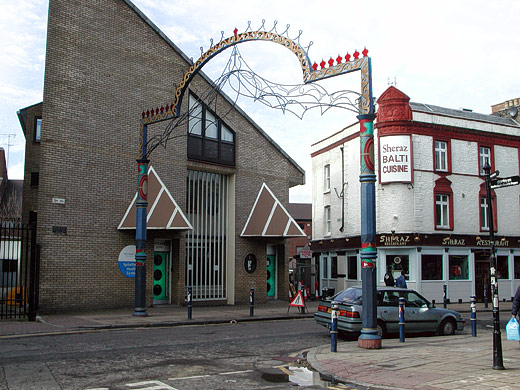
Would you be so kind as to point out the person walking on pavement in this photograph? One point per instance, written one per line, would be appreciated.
(401, 281)
(389, 278)
(516, 303)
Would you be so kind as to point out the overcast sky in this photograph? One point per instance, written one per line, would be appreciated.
(456, 54)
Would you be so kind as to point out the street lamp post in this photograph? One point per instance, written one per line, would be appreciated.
(497, 340)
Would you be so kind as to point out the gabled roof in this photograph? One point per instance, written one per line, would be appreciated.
(268, 218)
(229, 100)
(162, 213)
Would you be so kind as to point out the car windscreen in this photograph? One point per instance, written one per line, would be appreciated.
(350, 295)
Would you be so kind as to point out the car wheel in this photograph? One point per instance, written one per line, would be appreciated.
(447, 327)
(381, 329)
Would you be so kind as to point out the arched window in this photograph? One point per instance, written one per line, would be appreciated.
(483, 209)
(443, 201)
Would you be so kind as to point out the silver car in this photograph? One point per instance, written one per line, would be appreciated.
(420, 315)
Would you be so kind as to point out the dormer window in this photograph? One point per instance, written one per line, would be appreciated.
(209, 138)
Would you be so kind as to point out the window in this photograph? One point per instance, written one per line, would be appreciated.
(397, 264)
(327, 220)
(326, 178)
(38, 129)
(35, 179)
(352, 267)
(442, 211)
(431, 266)
(484, 210)
(502, 267)
(441, 156)
(517, 267)
(459, 267)
(484, 157)
(209, 139)
(334, 267)
(443, 204)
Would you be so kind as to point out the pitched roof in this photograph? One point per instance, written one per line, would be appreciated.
(268, 218)
(162, 212)
(300, 211)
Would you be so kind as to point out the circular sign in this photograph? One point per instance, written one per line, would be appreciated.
(126, 261)
(250, 263)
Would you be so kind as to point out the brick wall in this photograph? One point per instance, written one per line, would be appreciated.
(105, 65)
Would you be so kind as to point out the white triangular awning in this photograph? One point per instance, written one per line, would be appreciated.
(268, 218)
(162, 213)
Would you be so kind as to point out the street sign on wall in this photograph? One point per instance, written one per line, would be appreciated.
(504, 182)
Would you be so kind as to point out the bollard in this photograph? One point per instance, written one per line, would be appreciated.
(334, 327)
(190, 303)
(401, 320)
(445, 296)
(485, 296)
(251, 302)
(473, 300)
(302, 309)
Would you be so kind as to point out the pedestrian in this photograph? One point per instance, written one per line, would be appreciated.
(401, 280)
(516, 303)
(389, 278)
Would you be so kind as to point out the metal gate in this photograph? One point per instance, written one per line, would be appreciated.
(19, 271)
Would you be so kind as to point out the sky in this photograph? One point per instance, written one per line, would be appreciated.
(455, 54)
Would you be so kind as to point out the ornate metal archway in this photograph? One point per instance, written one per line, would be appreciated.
(311, 73)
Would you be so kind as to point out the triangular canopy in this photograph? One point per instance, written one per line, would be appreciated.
(162, 213)
(268, 218)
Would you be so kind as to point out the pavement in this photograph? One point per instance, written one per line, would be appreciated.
(423, 363)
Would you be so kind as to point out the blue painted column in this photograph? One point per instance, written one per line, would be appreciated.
(140, 229)
(369, 338)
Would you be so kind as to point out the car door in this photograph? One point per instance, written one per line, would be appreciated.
(418, 315)
(388, 310)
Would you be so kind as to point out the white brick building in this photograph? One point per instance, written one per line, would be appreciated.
(430, 199)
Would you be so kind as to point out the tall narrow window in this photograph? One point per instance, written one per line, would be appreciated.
(38, 129)
(327, 220)
(326, 178)
(442, 211)
(484, 225)
(484, 209)
(484, 157)
(443, 204)
(441, 156)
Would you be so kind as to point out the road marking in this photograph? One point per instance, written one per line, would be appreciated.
(235, 372)
(157, 385)
(188, 377)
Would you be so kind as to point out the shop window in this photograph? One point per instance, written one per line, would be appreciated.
(485, 156)
(442, 154)
(516, 266)
(459, 267)
(209, 139)
(443, 209)
(431, 266)
(398, 263)
(326, 178)
(352, 268)
(502, 267)
(327, 220)
(334, 267)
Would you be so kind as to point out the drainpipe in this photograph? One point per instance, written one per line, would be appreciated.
(342, 190)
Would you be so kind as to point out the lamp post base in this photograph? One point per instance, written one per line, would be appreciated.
(140, 312)
(369, 339)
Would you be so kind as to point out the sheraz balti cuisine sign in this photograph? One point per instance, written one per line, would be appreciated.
(395, 159)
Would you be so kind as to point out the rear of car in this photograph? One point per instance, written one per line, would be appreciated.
(349, 314)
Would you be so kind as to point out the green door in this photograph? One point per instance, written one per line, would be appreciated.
(271, 273)
(160, 276)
